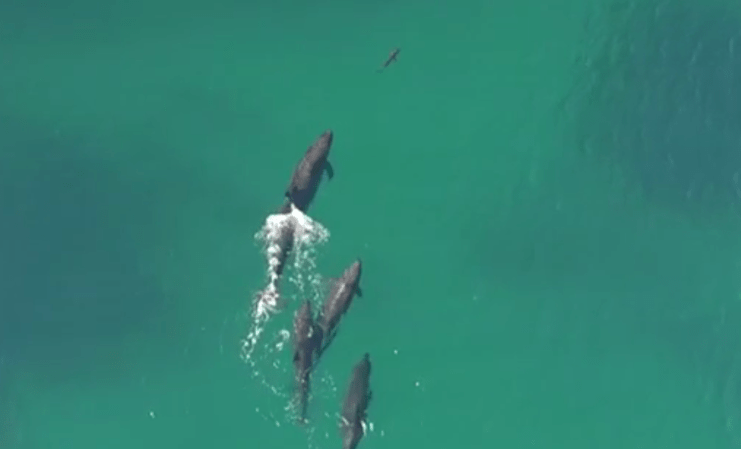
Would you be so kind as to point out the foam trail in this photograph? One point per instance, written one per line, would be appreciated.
(283, 236)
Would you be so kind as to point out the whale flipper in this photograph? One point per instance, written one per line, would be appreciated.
(358, 291)
(330, 171)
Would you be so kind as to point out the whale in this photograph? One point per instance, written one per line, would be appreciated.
(338, 301)
(306, 340)
(308, 173)
(355, 405)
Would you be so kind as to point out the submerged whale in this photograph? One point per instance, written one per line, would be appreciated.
(284, 246)
(279, 234)
(308, 174)
(306, 340)
(338, 302)
(356, 404)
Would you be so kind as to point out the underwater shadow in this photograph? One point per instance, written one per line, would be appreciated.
(73, 231)
(657, 99)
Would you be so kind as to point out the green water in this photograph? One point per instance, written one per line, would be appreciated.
(514, 295)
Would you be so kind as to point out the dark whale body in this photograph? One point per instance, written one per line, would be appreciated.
(285, 243)
(308, 174)
(338, 301)
(356, 404)
(302, 189)
(306, 340)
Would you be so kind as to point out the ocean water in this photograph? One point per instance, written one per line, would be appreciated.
(515, 293)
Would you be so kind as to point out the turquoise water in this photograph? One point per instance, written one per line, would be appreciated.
(515, 294)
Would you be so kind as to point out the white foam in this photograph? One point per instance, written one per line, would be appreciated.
(300, 269)
(307, 235)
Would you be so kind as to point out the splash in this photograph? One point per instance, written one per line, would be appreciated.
(290, 243)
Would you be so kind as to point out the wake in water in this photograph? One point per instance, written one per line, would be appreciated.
(292, 236)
